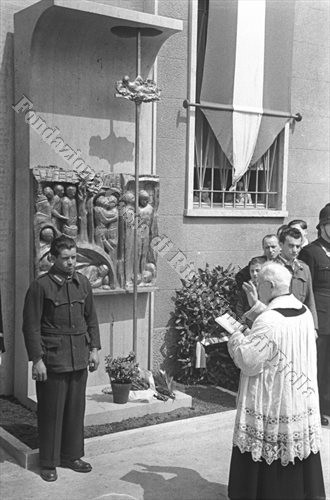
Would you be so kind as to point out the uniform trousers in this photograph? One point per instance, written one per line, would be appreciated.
(323, 371)
(61, 410)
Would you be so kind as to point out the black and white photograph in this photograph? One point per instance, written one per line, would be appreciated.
(165, 250)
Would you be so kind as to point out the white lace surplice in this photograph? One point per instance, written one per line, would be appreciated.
(278, 408)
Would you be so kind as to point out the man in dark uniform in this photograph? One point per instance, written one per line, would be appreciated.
(301, 283)
(62, 339)
(317, 256)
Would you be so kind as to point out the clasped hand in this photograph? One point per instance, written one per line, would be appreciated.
(94, 360)
(39, 371)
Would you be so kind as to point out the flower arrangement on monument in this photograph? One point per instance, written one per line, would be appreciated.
(122, 369)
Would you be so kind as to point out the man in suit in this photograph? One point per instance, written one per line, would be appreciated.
(62, 339)
(317, 256)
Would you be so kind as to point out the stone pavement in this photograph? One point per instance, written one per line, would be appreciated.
(182, 460)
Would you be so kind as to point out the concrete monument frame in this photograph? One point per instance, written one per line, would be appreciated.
(66, 63)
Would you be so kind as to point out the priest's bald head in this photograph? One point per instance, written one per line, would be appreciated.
(273, 280)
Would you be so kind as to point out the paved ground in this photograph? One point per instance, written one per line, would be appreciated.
(183, 460)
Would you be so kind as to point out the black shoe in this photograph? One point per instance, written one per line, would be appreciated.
(77, 465)
(48, 474)
(324, 420)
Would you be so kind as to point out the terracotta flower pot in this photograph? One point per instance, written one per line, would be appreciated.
(120, 392)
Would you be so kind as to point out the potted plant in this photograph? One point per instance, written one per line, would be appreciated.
(122, 370)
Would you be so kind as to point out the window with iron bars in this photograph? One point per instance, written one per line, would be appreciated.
(261, 191)
(258, 189)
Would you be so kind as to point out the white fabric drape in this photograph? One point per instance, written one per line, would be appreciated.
(248, 81)
(246, 66)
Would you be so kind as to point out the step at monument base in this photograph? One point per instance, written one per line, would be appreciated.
(100, 408)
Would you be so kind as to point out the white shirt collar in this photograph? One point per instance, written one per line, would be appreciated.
(285, 301)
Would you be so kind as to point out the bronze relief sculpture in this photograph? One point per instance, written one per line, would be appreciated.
(99, 215)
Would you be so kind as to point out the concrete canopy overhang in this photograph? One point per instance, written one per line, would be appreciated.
(47, 29)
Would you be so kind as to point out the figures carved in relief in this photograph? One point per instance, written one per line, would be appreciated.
(46, 236)
(127, 225)
(145, 229)
(69, 211)
(57, 217)
(99, 215)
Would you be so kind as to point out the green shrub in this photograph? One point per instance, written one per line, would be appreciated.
(208, 294)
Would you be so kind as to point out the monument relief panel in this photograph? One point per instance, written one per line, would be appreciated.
(98, 213)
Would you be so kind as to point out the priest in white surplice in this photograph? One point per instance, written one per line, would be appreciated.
(277, 435)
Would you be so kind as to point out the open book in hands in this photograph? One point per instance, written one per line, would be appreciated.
(231, 325)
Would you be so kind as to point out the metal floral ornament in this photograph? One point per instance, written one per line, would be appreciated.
(138, 90)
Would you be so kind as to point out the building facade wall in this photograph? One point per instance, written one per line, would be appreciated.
(203, 240)
(224, 241)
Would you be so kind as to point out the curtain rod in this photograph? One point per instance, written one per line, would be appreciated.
(229, 107)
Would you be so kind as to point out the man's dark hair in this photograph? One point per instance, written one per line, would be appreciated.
(290, 231)
(266, 238)
(280, 229)
(300, 222)
(257, 260)
(61, 243)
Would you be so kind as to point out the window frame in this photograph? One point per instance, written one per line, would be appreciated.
(190, 210)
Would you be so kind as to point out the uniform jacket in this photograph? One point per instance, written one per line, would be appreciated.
(59, 321)
(301, 284)
(315, 255)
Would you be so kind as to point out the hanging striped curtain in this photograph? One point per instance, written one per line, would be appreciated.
(247, 66)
